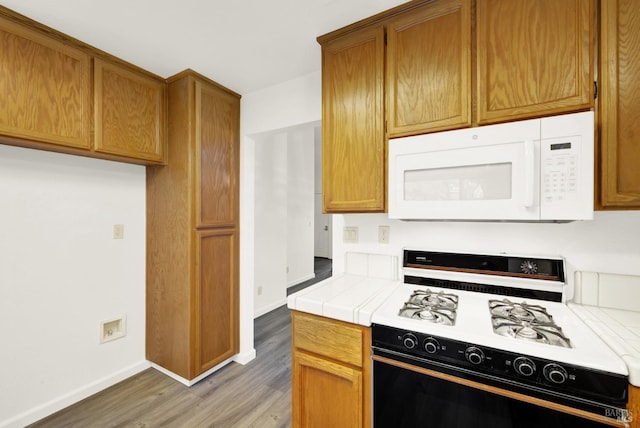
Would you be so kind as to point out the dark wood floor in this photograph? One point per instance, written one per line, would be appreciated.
(257, 394)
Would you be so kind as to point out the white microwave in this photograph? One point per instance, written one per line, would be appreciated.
(531, 170)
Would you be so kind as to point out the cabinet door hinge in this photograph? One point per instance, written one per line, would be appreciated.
(595, 90)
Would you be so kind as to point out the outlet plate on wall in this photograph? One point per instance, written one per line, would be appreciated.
(113, 329)
(383, 234)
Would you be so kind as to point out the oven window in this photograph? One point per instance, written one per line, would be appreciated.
(403, 399)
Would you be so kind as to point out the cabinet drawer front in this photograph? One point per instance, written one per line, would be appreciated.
(334, 339)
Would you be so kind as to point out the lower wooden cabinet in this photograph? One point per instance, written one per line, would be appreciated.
(634, 406)
(331, 373)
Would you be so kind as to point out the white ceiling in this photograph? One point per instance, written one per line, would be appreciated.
(242, 44)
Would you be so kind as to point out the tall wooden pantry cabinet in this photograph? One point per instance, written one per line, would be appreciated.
(192, 231)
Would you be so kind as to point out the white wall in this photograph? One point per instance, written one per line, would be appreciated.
(283, 224)
(270, 222)
(610, 243)
(289, 104)
(62, 273)
(322, 222)
(300, 204)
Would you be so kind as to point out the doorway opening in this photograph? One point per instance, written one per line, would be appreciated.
(290, 231)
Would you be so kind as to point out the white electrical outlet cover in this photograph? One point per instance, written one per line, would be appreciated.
(113, 329)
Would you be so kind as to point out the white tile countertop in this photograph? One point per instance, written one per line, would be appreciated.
(350, 298)
(610, 305)
(353, 296)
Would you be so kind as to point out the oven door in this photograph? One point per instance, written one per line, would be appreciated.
(411, 396)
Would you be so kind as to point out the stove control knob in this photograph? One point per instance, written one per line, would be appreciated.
(474, 355)
(555, 373)
(524, 366)
(431, 345)
(409, 340)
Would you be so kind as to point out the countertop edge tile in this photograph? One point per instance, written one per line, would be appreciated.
(603, 328)
(343, 297)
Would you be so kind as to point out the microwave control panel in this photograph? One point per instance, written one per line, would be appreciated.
(566, 178)
(560, 170)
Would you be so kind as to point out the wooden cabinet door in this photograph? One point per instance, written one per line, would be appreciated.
(216, 297)
(619, 104)
(46, 88)
(353, 141)
(130, 113)
(535, 58)
(429, 69)
(633, 406)
(217, 146)
(325, 393)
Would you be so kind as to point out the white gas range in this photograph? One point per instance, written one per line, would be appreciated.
(501, 321)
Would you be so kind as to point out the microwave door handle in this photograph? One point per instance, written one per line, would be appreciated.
(529, 170)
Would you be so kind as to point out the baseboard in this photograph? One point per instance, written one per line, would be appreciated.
(245, 357)
(190, 382)
(301, 280)
(269, 308)
(72, 397)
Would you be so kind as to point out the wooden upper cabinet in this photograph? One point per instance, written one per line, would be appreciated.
(353, 141)
(429, 69)
(619, 105)
(534, 58)
(45, 88)
(217, 137)
(130, 113)
(60, 94)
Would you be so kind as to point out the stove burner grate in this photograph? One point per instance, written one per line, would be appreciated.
(436, 307)
(526, 322)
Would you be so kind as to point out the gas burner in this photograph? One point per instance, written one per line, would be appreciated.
(431, 298)
(519, 312)
(439, 308)
(526, 322)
